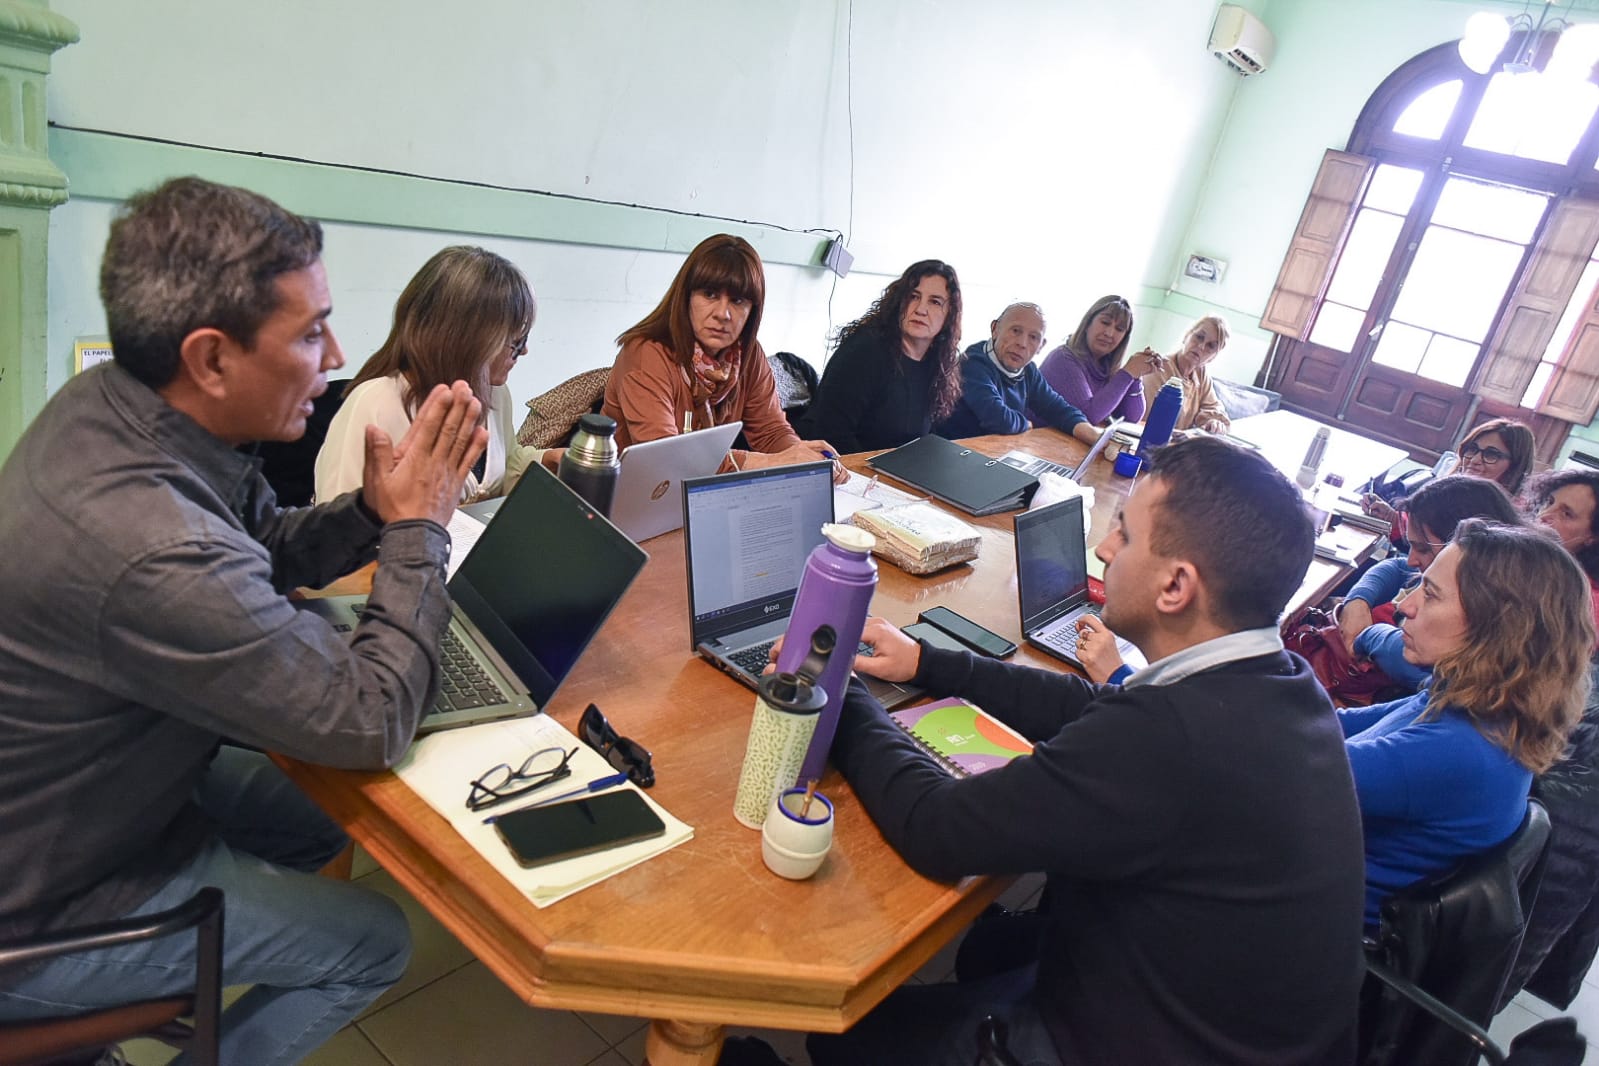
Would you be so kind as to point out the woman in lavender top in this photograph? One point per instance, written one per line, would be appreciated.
(1088, 369)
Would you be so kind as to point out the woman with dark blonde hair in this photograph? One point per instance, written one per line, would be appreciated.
(1088, 370)
(896, 370)
(694, 362)
(1503, 618)
(465, 316)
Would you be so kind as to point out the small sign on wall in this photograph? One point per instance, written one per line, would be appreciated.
(90, 351)
(1205, 268)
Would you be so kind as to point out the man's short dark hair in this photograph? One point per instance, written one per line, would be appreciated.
(191, 254)
(1239, 521)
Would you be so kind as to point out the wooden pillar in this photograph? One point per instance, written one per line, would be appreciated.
(30, 185)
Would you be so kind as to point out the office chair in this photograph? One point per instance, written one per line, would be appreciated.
(1454, 936)
(1552, 1042)
(41, 1040)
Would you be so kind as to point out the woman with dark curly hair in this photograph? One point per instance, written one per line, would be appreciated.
(1503, 617)
(896, 369)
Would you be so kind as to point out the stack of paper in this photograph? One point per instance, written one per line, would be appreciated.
(865, 493)
(919, 538)
(441, 768)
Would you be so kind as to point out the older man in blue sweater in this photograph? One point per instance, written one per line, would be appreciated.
(1002, 391)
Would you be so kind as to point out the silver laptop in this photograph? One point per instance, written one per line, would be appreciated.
(1052, 580)
(1035, 466)
(648, 501)
(746, 536)
(527, 600)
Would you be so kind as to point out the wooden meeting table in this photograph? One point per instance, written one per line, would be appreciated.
(704, 936)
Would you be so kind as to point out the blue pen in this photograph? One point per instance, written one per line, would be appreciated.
(827, 453)
(595, 785)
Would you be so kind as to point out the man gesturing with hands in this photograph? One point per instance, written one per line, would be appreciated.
(149, 652)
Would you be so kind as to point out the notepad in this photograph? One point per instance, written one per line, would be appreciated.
(439, 768)
(964, 738)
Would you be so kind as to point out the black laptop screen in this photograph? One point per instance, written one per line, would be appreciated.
(747, 537)
(542, 578)
(1051, 560)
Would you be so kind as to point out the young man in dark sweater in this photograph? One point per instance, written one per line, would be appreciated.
(1198, 824)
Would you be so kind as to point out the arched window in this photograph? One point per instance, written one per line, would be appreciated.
(1443, 270)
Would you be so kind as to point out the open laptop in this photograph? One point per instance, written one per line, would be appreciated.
(1035, 466)
(647, 501)
(746, 536)
(1052, 580)
(536, 587)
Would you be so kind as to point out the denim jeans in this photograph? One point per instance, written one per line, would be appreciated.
(936, 1025)
(317, 951)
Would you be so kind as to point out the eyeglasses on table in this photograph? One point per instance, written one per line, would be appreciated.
(500, 783)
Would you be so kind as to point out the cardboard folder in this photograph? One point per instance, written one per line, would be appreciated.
(970, 480)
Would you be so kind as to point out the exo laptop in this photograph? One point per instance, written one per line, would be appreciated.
(531, 594)
(1052, 580)
(746, 536)
(647, 501)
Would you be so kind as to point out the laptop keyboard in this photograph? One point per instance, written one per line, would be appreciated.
(1064, 638)
(465, 684)
(753, 660)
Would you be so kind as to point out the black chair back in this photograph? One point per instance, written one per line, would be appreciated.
(290, 466)
(1455, 936)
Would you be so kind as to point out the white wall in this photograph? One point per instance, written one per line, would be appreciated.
(1049, 151)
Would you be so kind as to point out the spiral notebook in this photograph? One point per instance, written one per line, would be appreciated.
(963, 737)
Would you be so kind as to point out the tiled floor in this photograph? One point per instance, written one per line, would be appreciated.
(450, 1009)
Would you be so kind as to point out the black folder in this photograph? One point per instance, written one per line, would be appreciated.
(956, 474)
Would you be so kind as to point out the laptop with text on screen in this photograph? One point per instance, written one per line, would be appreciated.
(1052, 580)
(534, 590)
(746, 536)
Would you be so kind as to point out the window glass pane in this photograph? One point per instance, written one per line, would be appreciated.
(1456, 282)
(1401, 347)
(1449, 360)
(1337, 326)
(1392, 188)
(1492, 210)
(1535, 387)
(1365, 254)
(1532, 116)
(1428, 114)
(1576, 310)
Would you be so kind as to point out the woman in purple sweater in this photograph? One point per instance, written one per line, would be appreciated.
(1087, 370)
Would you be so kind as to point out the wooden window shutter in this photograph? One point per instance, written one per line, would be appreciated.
(1319, 237)
(1573, 392)
(1536, 304)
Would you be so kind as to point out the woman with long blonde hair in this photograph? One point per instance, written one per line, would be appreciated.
(1503, 618)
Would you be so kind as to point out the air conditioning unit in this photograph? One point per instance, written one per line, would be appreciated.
(1241, 40)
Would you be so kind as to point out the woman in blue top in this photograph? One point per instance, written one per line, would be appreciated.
(1502, 617)
(1434, 512)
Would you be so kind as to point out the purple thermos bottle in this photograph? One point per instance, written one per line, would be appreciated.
(834, 594)
(1162, 417)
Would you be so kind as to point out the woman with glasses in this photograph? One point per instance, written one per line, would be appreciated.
(694, 362)
(1436, 511)
(1201, 407)
(1502, 621)
(465, 316)
(1088, 370)
(896, 372)
(1500, 450)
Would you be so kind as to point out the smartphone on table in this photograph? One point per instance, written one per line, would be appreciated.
(539, 835)
(934, 636)
(973, 636)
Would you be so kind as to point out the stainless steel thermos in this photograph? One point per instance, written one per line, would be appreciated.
(591, 463)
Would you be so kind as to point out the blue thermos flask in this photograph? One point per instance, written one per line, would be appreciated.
(1157, 428)
(830, 608)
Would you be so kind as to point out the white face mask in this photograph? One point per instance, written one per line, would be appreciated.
(993, 357)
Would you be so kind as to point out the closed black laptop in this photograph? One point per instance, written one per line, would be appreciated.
(958, 475)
